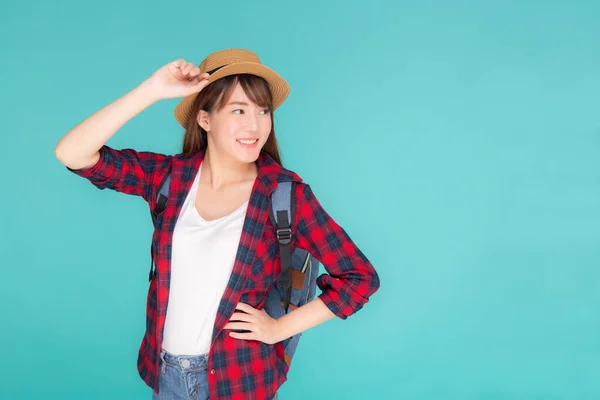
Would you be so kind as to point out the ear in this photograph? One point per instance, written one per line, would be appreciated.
(203, 120)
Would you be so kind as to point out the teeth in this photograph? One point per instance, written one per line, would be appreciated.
(247, 141)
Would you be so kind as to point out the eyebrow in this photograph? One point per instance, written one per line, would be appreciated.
(238, 102)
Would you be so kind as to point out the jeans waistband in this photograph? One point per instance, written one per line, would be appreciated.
(185, 361)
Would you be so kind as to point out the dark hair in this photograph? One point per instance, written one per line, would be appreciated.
(214, 97)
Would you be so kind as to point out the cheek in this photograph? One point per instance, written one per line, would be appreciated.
(266, 126)
(228, 132)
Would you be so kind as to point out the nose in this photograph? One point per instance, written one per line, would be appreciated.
(252, 122)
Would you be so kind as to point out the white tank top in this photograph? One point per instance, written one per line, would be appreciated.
(203, 253)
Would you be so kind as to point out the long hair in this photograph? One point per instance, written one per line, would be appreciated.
(214, 97)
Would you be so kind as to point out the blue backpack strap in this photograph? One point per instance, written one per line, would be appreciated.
(161, 197)
(161, 204)
(282, 213)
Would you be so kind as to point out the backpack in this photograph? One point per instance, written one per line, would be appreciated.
(296, 285)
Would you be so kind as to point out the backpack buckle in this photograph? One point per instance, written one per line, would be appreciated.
(284, 235)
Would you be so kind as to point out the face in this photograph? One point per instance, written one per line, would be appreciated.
(239, 130)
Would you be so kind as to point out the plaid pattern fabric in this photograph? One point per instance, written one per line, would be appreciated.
(238, 369)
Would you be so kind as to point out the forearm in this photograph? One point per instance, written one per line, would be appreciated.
(81, 143)
(303, 318)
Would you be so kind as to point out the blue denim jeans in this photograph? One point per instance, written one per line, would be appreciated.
(183, 377)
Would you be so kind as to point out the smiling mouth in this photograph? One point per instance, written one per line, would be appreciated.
(247, 142)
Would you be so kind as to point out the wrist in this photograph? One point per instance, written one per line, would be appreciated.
(148, 91)
(280, 330)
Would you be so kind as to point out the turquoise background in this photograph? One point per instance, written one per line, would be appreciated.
(456, 142)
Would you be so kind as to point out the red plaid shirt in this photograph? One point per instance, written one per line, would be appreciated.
(238, 369)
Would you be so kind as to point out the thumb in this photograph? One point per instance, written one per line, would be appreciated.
(192, 88)
(200, 85)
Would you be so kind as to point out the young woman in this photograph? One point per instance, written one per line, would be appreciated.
(213, 243)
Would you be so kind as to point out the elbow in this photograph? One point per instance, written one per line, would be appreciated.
(375, 283)
(62, 155)
(369, 286)
(76, 164)
(61, 151)
(345, 297)
(58, 153)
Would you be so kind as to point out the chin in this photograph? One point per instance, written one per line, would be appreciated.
(248, 157)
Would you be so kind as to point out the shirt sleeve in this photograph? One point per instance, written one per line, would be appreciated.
(127, 171)
(351, 277)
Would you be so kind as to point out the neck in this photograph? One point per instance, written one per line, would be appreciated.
(220, 171)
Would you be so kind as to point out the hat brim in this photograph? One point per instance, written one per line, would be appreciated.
(278, 86)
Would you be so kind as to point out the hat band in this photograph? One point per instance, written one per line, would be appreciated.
(216, 69)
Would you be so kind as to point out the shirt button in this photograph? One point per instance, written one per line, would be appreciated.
(212, 371)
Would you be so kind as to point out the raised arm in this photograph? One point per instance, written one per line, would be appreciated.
(83, 149)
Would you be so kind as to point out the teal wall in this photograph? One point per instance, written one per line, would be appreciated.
(456, 142)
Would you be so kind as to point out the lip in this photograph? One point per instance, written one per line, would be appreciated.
(248, 146)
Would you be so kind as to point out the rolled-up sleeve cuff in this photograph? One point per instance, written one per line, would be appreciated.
(336, 305)
(100, 174)
(344, 299)
(93, 170)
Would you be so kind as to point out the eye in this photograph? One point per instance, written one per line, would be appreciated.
(264, 112)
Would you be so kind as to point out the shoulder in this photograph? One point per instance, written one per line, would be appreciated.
(272, 174)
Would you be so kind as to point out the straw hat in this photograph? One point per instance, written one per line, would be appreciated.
(229, 62)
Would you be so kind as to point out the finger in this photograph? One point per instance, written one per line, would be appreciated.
(179, 63)
(196, 87)
(240, 316)
(187, 68)
(246, 307)
(239, 325)
(195, 73)
(243, 336)
(202, 84)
